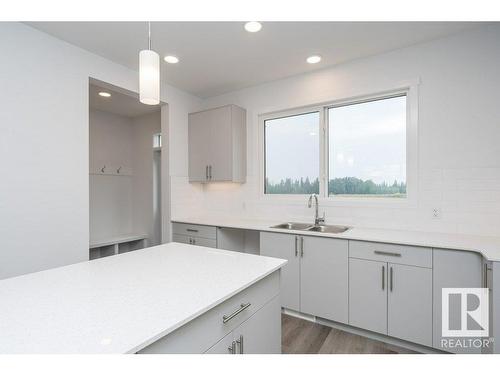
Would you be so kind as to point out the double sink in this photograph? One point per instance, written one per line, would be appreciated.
(312, 228)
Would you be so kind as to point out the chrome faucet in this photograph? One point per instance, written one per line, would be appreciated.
(317, 220)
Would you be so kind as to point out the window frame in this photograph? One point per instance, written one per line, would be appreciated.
(409, 89)
(262, 126)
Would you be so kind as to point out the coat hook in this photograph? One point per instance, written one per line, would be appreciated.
(118, 170)
(102, 169)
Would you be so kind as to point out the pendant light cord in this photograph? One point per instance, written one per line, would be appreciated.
(149, 35)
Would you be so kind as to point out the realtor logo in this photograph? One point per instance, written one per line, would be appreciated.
(465, 312)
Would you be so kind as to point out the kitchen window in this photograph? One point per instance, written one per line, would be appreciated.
(367, 148)
(354, 149)
(292, 154)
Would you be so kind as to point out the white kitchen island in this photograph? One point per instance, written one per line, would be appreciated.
(172, 298)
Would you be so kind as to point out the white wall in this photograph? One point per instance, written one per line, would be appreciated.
(458, 140)
(44, 160)
(112, 144)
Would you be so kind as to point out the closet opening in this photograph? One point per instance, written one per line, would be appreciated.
(125, 171)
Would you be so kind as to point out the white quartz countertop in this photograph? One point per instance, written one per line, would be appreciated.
(122, 303)
(489, 247)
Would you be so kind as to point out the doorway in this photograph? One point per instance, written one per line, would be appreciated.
(125, 163)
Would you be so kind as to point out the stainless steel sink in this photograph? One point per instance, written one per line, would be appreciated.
(328, 229)
(293, 226)
(312, 228)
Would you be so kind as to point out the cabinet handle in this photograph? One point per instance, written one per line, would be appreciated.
(383, 277)
(485, 275)
(240, 343)
(194, 241)
(210, 171)
(296, 246)
(206, 172)
(232, 348)
(390, 286)
(302, 247)
(387, 253)
(190, 240)
(227, 318)
(192, 230)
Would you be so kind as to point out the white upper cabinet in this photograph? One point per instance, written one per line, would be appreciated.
(217, 145)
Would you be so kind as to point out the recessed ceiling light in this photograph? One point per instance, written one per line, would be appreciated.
(253, 26)
(104, 94)
(314, 59)
(171, 59)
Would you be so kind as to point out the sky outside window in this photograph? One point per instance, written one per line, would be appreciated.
(292, 154)
(367, 148)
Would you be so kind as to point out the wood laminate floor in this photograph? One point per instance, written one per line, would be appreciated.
(304, 337)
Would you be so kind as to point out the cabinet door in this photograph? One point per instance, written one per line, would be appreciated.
(324, 278)
(224, 346)
(368, 295)
(199, 133)
(180, 238)
(284, 246)
(207, 242)
(261, 333)
(220, 144)
(409, 312)
(453, 269)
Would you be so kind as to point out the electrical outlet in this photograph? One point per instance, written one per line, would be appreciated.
(436, 213)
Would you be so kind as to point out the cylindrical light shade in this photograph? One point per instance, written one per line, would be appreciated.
(149, 77)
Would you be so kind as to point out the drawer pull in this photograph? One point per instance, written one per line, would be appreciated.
(387, 253)
(192, 230)
(392, 277)
(227, 318)
(383, 277)
(232, 348)
(240, 343)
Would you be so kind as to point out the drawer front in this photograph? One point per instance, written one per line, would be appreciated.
(181, 238)
(203, 332)
(192, 240)
(397, 254)
(193, 230)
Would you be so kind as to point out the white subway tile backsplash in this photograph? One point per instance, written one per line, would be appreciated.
(468, 199)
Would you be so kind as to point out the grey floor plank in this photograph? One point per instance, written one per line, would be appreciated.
(300, 336)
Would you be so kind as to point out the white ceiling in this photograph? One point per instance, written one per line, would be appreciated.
(218, 57)
(123, 104)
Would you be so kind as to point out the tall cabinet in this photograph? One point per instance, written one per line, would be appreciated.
(217, 145)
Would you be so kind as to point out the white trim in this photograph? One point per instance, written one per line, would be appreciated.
(410, 89)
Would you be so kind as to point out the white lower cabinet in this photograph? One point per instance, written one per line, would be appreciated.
(226, 345)
(390, 298)
(260, 334)
(324, 278)
(201, 235)
(200, 241)
(315, 279)
(285, 246)
(368, 295)
(253, 314)
(454, 269)
(409, 303)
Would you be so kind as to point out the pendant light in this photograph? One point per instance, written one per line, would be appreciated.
(149, 74)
